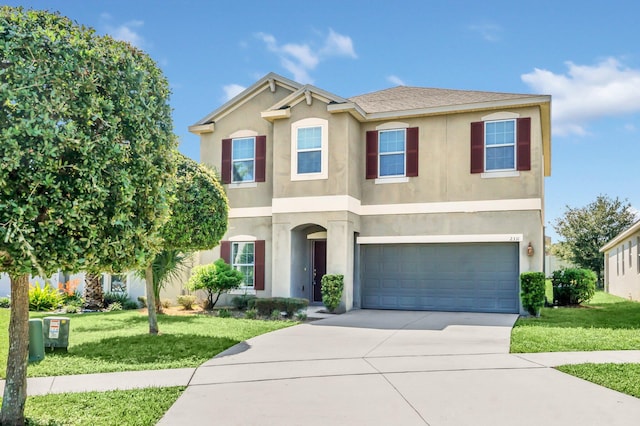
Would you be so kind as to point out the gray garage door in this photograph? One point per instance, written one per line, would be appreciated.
(478, 277)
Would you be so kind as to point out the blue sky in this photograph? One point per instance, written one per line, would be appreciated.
(585, 54)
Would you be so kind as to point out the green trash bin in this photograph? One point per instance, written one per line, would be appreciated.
(56, 332)
(36, 341)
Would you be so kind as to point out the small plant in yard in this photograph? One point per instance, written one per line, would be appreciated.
(130, 305)
(166, 303)
(251, 313)
(301, 316)
(186, 301)
(224, 313)
(143, 301)
(44, 298)
(332, 286)
(5, 302)
(111, 297)
(216, 278)
(573, 286)
(241, 302)
(115, 306)
(267, 305)
(275, 315)
(71, 309)
(532, 285)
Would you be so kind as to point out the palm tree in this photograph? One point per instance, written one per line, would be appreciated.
(93, 294)
(167, 266)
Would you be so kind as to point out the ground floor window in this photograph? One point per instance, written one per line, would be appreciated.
(118, 284)
(243, 260)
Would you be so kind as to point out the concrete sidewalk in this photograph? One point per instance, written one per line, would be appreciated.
(380, 368)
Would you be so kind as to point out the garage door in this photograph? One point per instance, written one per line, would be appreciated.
(478, 277)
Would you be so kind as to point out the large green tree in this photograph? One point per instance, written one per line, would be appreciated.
(586, 229)
(87, 162)
(198, 220)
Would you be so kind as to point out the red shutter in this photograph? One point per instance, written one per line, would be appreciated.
(412, 152)
(372, 154)
(477, 147)
(225, 251)
(261, 158)
(259, 265)
(226, 161)
(524, 144)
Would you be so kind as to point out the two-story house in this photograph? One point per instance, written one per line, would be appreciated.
(424, 199)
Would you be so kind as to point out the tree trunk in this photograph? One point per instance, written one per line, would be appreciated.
(93, 294)
(15, 388)
(151, 300)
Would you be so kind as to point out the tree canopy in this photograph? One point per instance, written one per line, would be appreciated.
(586, 229)
(87, 162)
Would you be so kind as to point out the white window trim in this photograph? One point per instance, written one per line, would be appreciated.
(391, 179)
(233, 264)
(403, 152)
(500, 174)
(324, 149)
(241, 182)
(515, 147)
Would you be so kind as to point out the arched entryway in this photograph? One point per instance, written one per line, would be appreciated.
(308, 261)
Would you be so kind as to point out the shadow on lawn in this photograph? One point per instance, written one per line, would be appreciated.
(148, 349)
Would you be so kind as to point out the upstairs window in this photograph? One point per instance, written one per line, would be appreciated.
(310, 149)
(392, 153)
(501, 145)
(243, 160)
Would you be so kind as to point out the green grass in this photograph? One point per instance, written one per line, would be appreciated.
(113, 408)
(623, 378)
(120, 341)
(606, 323)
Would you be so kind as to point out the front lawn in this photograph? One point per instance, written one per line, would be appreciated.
(624, 378)
(139, 407)
(606, 323)
(120, 341)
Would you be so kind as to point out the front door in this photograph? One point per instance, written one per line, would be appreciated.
(319, 267)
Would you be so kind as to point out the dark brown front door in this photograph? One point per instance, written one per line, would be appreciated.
(319, 267)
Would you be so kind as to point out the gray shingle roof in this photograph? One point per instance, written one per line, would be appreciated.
(403, 98)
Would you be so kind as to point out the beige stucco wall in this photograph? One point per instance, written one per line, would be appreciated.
(622, 270)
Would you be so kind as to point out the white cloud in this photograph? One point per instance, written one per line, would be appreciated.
(587, 92)
(302, 58)
(393, 79)
(630, 127)
(489, 32)
(232, 90)
(127, 32)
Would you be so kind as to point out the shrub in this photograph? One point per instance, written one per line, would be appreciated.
(187, 301)
(224, 313)
(573, 286)
(130, 305)
(290, 305)
(5, 302)
(251, 313)
(275, 315)
(332, 285)
(215, 278)
(242, 302)
(143, 301)
(302, 316)
(115, 306)
(74, 299)
(532, 285)
(111, 297)
(44, 298)
(71, 309)
(166, 303)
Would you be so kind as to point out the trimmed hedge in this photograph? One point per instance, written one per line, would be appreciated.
(332, 286)
(532, 286)
(290, 305)
(573, 286)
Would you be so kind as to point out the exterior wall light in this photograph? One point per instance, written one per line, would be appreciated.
(530, 250)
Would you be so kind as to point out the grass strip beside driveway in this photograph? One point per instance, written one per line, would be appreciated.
(120, 341)
(623, 378)
(606, 323)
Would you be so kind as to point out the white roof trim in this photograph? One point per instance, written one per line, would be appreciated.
(621, 236)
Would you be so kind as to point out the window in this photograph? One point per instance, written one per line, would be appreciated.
(622, 256)
(309, 149)
(501, 145)
(118, 284)
(392, 153)
(242, 259)
(243, 160)
(247, 255)
(391, 149)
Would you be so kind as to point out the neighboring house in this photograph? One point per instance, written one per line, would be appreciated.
(424, 199)
(622, 264)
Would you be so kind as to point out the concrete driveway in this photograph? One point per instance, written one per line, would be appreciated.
(369, 367)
